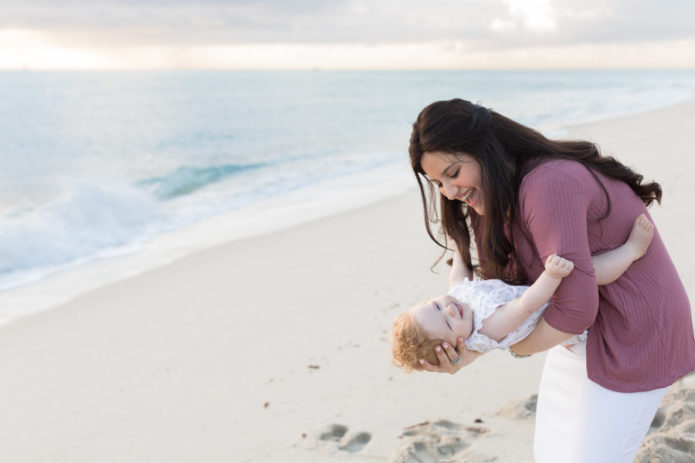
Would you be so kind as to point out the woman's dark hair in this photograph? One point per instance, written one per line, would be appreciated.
(506, 151)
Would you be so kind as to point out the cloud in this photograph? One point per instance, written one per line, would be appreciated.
(491, 23)
(150, 22)
(535, 15)
(621, 21)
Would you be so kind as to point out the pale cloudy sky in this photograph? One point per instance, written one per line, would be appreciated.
(346, 34)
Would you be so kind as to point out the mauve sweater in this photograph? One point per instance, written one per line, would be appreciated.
(640, 326)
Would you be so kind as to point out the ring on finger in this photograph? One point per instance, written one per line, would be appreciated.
(456, 360)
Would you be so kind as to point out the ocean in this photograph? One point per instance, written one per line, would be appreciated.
(142, 167)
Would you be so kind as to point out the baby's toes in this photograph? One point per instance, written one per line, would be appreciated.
(645, 224)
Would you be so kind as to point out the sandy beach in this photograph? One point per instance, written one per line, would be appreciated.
(276, 348)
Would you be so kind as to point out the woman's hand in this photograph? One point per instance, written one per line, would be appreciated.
(451, 244)
(446, 354)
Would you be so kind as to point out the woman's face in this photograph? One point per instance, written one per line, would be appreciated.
(458, 177)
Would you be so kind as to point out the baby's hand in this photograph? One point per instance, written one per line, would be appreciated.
(558, 267)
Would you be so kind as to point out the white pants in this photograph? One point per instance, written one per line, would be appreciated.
(578, 421)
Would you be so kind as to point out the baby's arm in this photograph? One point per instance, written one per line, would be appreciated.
(459, 271)
(611, 264)
(511, 315)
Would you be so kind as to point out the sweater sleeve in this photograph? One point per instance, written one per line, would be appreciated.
(555, 202)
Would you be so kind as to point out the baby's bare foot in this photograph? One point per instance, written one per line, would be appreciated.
(558, 267)
(640, 236)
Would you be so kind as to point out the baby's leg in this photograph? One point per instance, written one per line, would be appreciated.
(640, 236)
(611, 264)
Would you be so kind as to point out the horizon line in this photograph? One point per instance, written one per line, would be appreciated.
(319, 69)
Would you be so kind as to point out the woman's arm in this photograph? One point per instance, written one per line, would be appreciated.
(459, 271)
(543, 337)
(556, 201)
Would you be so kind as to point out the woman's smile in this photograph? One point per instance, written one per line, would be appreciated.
(470, 197)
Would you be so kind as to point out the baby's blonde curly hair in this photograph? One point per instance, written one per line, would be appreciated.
(410, 344)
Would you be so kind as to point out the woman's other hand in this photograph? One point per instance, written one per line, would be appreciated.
(446, 354)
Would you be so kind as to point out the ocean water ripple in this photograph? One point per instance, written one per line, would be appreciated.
(186, 180)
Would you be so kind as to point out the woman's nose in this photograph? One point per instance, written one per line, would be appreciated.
(448, 191)
(452, 310)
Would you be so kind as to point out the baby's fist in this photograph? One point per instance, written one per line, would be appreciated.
(558, 267)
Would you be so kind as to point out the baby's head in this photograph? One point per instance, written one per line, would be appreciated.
(421, 328)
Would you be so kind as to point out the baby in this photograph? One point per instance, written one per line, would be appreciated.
(490, 314)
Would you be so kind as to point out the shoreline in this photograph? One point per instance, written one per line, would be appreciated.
(260, 219)
(276, 347)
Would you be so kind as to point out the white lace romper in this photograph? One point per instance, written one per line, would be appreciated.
(484, 297)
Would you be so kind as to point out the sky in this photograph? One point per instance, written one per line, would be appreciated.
(346, 34)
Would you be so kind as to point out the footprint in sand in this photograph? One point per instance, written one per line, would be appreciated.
(335, 432)
(521, 410)
(671, 437)
(439, 441)
(338, 433)
(357, 442)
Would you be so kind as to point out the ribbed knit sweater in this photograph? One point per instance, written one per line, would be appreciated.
(640, 326)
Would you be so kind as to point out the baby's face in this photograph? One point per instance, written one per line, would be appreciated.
(444, 318)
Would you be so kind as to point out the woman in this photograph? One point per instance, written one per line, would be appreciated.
(525, 197)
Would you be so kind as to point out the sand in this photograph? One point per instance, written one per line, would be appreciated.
(276, 348)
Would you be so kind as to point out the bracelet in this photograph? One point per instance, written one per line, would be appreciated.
(517, 356)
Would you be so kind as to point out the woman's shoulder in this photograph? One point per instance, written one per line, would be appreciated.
(554, 174)
(560, 188)
(540, 168)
